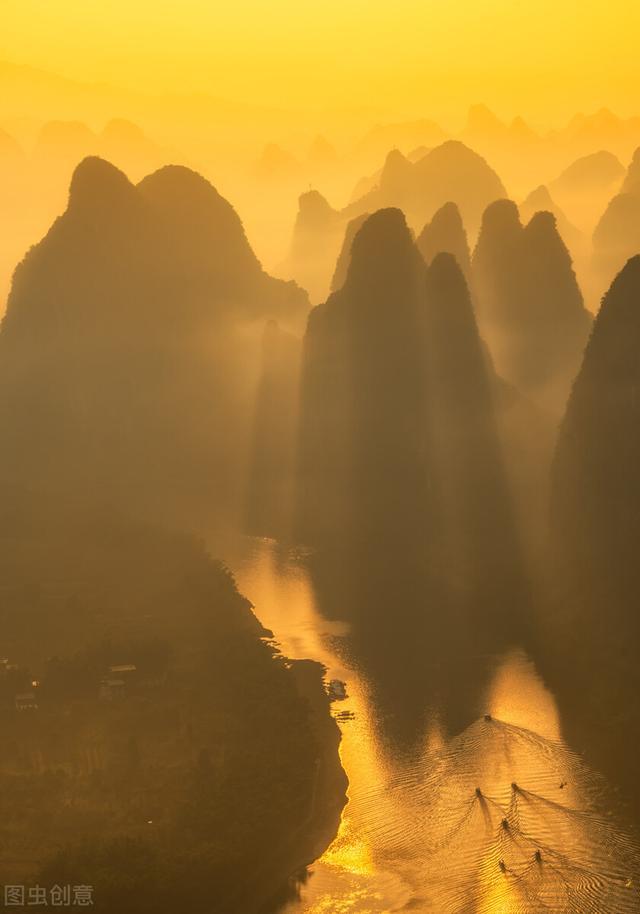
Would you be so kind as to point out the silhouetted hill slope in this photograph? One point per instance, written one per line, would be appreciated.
(529, 303)
(631, 183)
(344, 257)
(446, 234)
(398, 435)
(558, 321)
(495, 260)
(464, 458)
(122, 354)
(595, 525)
(596, 487)
(270, 492)
(359, 444)
(33, 188)
(208, 238)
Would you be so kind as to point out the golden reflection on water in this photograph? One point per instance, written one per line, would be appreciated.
(414, 834)
(349, 852)
(518, 696)
(345, 878)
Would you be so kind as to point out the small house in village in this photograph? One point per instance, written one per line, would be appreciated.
(26, 701)
(123, 670)
(112, 689)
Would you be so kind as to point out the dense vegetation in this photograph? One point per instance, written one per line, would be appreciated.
(192, 783)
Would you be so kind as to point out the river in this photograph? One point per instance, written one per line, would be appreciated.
(398, 809)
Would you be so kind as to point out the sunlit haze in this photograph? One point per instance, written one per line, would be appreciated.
(320, 456)
(545, 60)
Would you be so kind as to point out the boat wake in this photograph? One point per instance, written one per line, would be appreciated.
(502, 821)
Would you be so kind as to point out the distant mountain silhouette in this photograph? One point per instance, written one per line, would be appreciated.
(512, 147)
(10, 149)
(524, 156)
(583, 188)
(395, 177)
(64, 139)
(483, 125)
(317, 236)
(364, 185)
(481, 120)
(275, 163)
(602, 129)
(596, 491)
(122, 354)
(446, 234)
(450, 172)
(540, 200)
(588, 173)
(530, 306)
(631, 183)
(404, 136)
(15, 208)
(13, 184)
(418, 153)
(59, 147)
(617, 235)
(321, 152)
(127, 146)
(394, 162)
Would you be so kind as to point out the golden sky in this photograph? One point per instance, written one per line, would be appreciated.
(433, 57)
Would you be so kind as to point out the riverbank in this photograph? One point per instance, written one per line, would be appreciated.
(277, 880)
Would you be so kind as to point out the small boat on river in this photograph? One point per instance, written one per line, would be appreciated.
(337, 690)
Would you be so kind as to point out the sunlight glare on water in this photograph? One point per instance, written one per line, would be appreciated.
(497, 820)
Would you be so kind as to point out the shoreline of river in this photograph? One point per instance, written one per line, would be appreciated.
(329, 795)
(279, 879)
